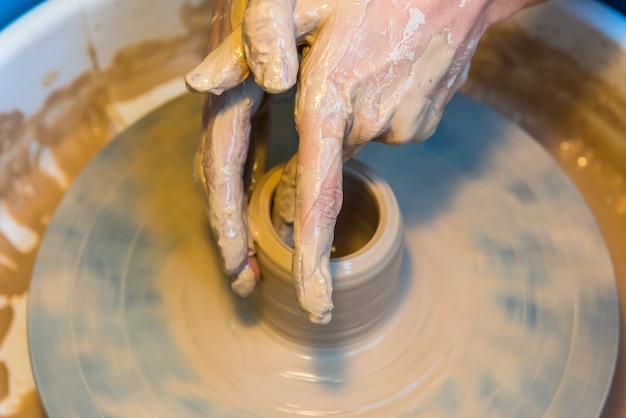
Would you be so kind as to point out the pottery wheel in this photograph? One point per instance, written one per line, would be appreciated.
(507, 305)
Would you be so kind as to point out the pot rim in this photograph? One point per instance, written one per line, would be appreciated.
(347, 271)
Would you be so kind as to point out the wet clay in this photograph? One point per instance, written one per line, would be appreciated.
(29, 407)
(574, 115)
(368, 249)
(41, 155)
(6, 315)
(354, 86)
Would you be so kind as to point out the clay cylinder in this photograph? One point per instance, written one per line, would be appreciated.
(365, 264)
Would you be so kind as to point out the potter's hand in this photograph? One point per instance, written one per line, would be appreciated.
(219, 167)
(221, 155)
(370, 70)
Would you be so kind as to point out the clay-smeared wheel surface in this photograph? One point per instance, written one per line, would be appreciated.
(507, 303)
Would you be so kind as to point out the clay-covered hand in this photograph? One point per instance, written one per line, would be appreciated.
(221, 156)
(368, 70)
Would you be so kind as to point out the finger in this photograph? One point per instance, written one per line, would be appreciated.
(309, 15)
(283, 211)
(221, 159)
(269, 43)
(321, 121)
(249, 275)
(224, 68)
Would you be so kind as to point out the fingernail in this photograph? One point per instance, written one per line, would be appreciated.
(246, 281)
(201, 82)
(196, 82)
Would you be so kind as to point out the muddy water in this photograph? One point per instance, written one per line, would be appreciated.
(578, 118)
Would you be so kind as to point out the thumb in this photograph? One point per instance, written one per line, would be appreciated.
(224, 68)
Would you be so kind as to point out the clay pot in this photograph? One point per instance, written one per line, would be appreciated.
(365, 264)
